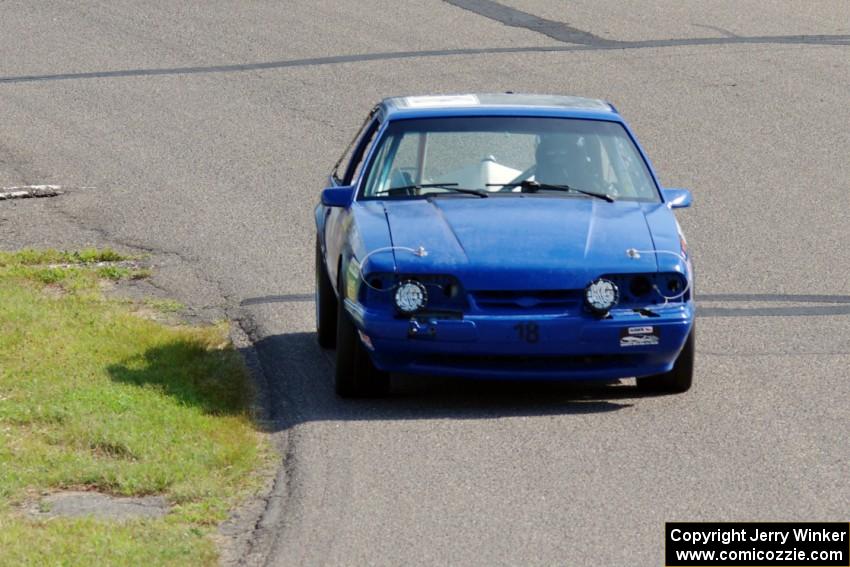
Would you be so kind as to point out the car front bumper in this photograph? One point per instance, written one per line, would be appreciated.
(563, 346)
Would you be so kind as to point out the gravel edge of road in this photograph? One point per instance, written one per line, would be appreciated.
(247, 537)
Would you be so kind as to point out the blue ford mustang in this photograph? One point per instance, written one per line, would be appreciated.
(502, 236)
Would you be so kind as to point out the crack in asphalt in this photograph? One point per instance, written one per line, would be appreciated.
(226, 306)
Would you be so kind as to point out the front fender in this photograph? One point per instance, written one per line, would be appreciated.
(366, 238)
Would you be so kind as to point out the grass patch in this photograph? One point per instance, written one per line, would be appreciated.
(164, 305)
(116, 273)
(77, 272)
(32, 257)
(94, 397)
(87, 542)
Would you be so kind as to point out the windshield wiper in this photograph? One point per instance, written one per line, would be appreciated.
(447, 186)
(535, 186)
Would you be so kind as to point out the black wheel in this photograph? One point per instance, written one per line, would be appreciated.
(326, 304)
(680, 378)
(356, 376)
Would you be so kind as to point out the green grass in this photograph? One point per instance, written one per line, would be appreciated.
(90, 542)
(30, 257)
(94, 397)
(73, 270)
(164, 305)
(118, 273)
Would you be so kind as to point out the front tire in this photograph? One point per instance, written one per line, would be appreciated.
(356, 375)
(326, 303)
(681, 376)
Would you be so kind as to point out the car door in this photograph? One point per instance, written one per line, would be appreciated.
(337, 219)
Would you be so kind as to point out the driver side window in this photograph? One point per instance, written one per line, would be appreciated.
(349, 165)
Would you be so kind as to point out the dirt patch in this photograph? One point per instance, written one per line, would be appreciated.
(54, 291)
(72, 504)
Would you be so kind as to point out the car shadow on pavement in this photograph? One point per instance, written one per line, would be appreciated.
(299, 383)
(300, 374)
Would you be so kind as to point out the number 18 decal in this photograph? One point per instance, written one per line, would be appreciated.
(528, 332)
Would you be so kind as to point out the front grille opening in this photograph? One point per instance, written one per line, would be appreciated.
(527, 300)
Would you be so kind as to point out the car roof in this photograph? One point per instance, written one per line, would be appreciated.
(498, 104)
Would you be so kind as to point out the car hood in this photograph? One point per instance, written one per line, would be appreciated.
(533, 242)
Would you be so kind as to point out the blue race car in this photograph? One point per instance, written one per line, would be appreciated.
(502, 236)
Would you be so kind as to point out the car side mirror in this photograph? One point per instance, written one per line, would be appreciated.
(677, 198)
(338, 196)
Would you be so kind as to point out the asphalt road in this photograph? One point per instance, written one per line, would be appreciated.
(203, 133)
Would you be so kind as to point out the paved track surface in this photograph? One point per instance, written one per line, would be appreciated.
(203, 132)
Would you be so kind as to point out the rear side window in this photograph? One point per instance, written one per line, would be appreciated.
(348, 167)
(353, 170)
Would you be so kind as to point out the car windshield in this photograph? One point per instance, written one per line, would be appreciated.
(497, 154)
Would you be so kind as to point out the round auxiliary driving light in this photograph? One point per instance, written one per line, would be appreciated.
(410, 296)
(601, 295)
